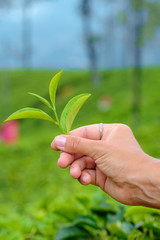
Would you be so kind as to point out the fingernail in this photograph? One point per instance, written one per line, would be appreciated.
(60, 141)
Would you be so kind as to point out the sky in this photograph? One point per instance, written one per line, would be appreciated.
(58, 40)
(57, 37)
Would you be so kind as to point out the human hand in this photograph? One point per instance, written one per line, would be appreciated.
(116, 163)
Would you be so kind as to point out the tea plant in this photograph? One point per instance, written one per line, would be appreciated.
(106, 219)
(68, 114)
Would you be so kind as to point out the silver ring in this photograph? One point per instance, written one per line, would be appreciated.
(101, 130)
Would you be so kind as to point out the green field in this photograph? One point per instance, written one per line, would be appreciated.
(32, 186)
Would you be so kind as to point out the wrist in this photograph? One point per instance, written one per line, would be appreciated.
(147, 183)
(153, 183)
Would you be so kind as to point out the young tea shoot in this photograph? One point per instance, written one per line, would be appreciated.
(68, 114)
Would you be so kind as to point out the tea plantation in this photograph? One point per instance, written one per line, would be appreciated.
(40, 201)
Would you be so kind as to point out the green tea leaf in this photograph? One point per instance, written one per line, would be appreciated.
(30, 113)
(103, 209)
(154, 226)
(140, 214)
(136, 234)
(66, 213)
(71, 232)
(43, 100)
(83, 200)
(117, 216)
(53, 87)
(70, 111)
(82, 221)
(116, 230)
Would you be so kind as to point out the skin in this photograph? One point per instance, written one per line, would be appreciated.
(116, 163)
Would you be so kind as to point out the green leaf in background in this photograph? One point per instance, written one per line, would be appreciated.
(141, 214)
(152, 226)
(70, 111)
(82, 221)
(30, 113)
(118, 216)
(116, 230)
(135, 235)
(103, 209)
(53, 87)
(84, 200)
(43, 100)
(71, 233)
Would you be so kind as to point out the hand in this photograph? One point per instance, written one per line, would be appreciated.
(116, 163)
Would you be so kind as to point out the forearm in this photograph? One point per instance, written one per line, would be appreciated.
(147, 184)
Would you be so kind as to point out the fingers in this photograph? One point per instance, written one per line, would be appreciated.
(80, 164)
(77, 145)
(85, 170)
(87, 177)
(81, 169)
(89, 132)
(66, 159)
(94, 177)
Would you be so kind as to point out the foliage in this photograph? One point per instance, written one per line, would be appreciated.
(150, 27)
(152, 18)
(38, 199)
(68, 115)
(122, 17)
(114, 222)
(138, 4)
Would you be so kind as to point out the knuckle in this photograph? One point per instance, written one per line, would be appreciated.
(74, 143)
(123, 127)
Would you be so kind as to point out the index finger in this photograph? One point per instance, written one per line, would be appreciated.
(89, 132)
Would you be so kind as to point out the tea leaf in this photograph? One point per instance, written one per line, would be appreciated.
(140, 214)
(43, 100)
(82, 221)
(30, 113)
(136, 234)
(103, 209)
(115, 230)
(70, 111)
(154, 226)
(71, 232)
(53, 87)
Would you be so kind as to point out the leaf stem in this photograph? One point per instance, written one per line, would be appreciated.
(58, 122)
(55, 113)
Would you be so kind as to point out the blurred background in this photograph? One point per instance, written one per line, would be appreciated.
(107, 48)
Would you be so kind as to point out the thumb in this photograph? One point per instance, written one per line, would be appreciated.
(73, 144)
